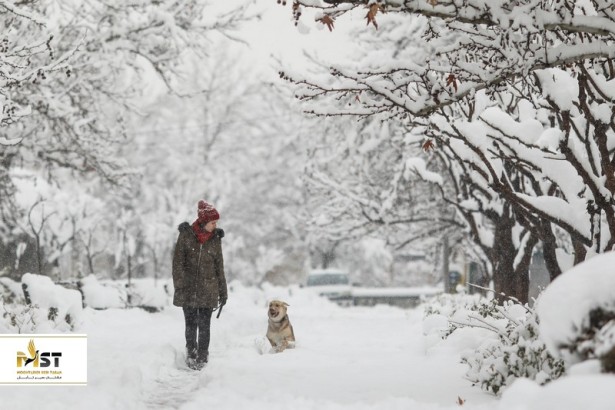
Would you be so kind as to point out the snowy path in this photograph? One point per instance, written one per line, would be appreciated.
(346, 358)
(172, 387)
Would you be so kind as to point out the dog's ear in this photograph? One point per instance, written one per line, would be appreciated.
(285, 304)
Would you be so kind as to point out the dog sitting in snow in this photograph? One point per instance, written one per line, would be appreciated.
(280, 332)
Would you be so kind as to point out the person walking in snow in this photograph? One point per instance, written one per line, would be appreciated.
(199, 281)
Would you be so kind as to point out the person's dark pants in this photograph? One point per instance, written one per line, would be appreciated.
(198, 321)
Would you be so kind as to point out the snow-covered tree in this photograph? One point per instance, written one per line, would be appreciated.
(521, 96)
(79, 118)
(236, 146)
(26, 56)
(81, 79)
(364, 181)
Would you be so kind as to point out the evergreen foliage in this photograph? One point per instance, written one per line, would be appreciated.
(514, 351)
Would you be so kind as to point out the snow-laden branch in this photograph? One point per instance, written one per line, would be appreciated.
(21, 12)
(517, 99)
(532, 15)
(382, 95)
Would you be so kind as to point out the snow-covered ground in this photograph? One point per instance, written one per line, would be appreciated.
(346, 358)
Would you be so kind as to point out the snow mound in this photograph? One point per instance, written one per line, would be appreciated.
(559, 86)
(565, 305)
(10, 291)
(595, 392)
(146, 293)
(149, 293)
(98, 296)
(61, 303)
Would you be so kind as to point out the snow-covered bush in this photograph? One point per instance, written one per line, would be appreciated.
(10, 291)
(29, 318)
(144, 293)
(37, 305)
(62, 307)
(514, 351)
(149, 295)
(447, 305)
(19, 318)
(517, 352)
(98, 296)
(577, 312)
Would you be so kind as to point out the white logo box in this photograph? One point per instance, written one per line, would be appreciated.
(43, 359)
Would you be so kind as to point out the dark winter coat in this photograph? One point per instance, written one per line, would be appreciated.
(198, 269)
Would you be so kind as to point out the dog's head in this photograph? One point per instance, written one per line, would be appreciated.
(277, 310)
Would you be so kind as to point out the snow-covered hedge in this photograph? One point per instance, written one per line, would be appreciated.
(514, 351)
(577, 312)
(11, 291)
(62, 304)
(439, 309)
(150, 295)
(37, 305)
(99, 296)
(144, 293)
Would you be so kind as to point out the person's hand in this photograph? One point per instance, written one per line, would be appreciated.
(222, 299)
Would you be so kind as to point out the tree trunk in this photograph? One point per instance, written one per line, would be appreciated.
(548, 250)
(327, 254)
(508, 281)
(90, 263)
(39, 255)
(579, 252)
(446, 253)
(522, 270)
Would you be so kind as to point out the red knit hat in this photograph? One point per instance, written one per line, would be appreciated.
(207, 212)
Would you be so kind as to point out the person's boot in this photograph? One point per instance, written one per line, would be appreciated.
(191, 359)
(201, 360)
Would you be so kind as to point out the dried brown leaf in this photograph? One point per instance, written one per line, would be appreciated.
(451, 79)
(371, 14)
(327, 21)
(428, 145)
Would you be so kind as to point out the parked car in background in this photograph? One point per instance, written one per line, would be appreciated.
(333, 284)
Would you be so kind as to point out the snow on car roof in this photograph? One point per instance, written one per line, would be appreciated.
(328, 272)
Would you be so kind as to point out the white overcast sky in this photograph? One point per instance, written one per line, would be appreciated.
(275, 36)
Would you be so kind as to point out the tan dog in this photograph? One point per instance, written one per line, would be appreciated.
(280, 331)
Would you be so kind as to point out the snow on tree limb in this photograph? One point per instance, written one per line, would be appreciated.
(533, 15)
(21, 12)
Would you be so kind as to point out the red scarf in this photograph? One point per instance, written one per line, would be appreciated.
(201, 234)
